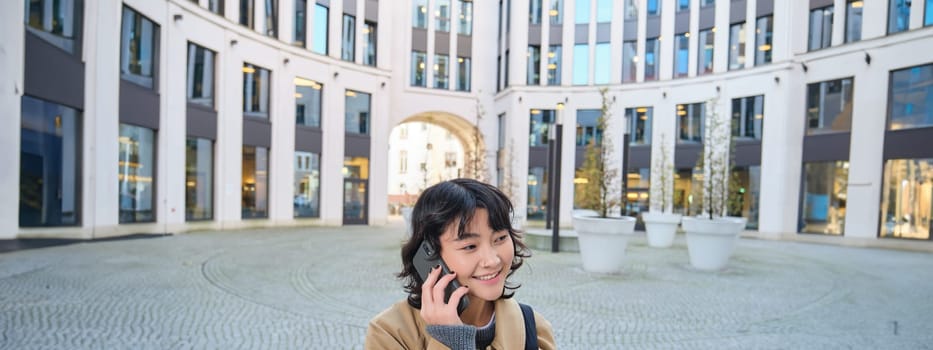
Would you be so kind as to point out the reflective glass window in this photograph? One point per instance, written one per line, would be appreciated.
(629, 61)
(898, 16)
(199, 179)
(581, 63)
(419, 15)
(534, 11)
(139, 41)
(854, 20)
(748, 116)
(200, 82)
(307, 186)
(829, 106)
(737, 46)
(357, 112)
(824, 197)
(763, 38)
(631, 10)
(654, 7)
(601, 63)
(136, 174)
(553, 65)
(466, 18)
(441, 71)
(256, 81)
(603, 11)
(348, 51)
(271, 19)
(639, 125)
(463, 73)
(681, 55)
(442, 15)
(907, 199)
(255, 181)
(706, 44)
(588, 130)
(556, 13)
(418, 63)
(690, 119)
(652, 60)
(534, 65)
(308, 102)
(54, 21)
(821, 28)
(911, 98)
(540, 121)
(582, 9)
(301, 10)
(369, 43)
(319, 43)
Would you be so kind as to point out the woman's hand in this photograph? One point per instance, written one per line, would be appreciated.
(434, 310)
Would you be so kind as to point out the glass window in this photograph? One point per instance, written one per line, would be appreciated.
(603, 11)
(307, 189)
(911, 99)
(824, 197)
(308, 102)
(854, 20)
(418, 63)
(506, 73)
(631, 10)
(654, 8)
(537, 193)
(602, 63)
(737, 46)
(534, 65)
(898, 16)
(442, 15)
(463, 73)
(683, 192)
(441, 69)
(821, 28)
(199, 179)
(49, 168)
(301, 9)
(690, 118)
(629, 61)
(466, 18)
(763, 34)
(319, 44)
(348, 51)
(637, 190)
(639, 125)
(587, 128)
(136, 174)
(271, 22)
(256, 81)
(357, 115)
(419, 15)
(255, 194)
(581, 62)
(534, 11)
(747, 117)
(681, 55)
(369, 43)
(200, 84)
(54, 21)
(907, 199)
(140, 38)
(553, 65)
(652, 64)
(246, 13)
(745, 194)
(683, 5)
(582, 9)
(706, 43)
(216, 6)
(556, 13)
(829, 106)
(705, 3)
(928, 16)
(540, 121)
(403, 162)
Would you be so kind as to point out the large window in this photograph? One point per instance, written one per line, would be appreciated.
(256, 81)
(654, 7)
(200, 84)
(357, 112)
(587, 128)
(271, 18)
(821, 28)
(321, 20)
(307, 189)
(54, 21)
(534, 11)
(247, 16)
(556, 13)
(639, 125)
(49, 168)
(603, 11)
(301, 11)
(581, 64)
(136, 174)
(601, 64)
(911, 99)
(419, 16)
(681, 55)
(582, 12)
(441, 71)
(928, 16)
(255, 186)
(707, 44)
(683, 5)
(369, 43)
(140, 42)
(737, 46)
(747, 116)
(466, 18)
(630, 10)
(537, 193)
(463, 73)
(348, 51)
(534, 65)
(898, 16)
(829, 106)
(540, 121)
(442, 15)
(824, 197)
(690, 118)
(199, 179)
(763, 34)
(418, 63)
(745, 194)
(854, 20)
(652, 59)
(216, 6)
(553, 65)
(907, 199)
(308, 102)
(629, 61)
(637, 191)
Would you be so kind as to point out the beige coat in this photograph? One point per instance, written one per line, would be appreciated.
(401, 327)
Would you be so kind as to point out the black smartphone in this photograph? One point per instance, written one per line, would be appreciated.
(424, 263)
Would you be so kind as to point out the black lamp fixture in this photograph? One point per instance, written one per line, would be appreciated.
(804, 66)
(233, 42)
(177, 17)
(867, 59)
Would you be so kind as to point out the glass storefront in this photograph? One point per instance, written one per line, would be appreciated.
(307, 187)
(136, 174)
(540, 121)
(357, 106)
(824, 197)
(308, 102)
(49, 170)
(537, 193)
(683, 192)
(745, 194)
(199, 179)
(907, 198)
(255, 186)
(355, 188)
(911, 98)
(638, 190)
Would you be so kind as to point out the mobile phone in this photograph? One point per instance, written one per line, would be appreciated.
(424, 263)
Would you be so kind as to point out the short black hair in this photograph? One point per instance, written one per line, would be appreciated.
(440, 206)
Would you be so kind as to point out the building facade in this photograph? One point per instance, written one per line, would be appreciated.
(224, 114)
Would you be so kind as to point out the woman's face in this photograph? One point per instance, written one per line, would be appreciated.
(481, 258)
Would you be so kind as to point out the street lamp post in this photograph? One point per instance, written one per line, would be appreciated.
(557, 141)
(625, 145)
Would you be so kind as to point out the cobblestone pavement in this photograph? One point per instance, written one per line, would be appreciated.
(316, 288)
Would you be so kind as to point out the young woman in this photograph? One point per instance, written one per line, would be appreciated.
(468, 222)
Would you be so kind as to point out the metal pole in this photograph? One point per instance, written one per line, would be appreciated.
(555, 234)
(625, 142)
(549, 173)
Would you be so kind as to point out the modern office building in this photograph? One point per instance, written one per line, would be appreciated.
(142, 116)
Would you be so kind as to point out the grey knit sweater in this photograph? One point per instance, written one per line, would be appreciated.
(464, 337)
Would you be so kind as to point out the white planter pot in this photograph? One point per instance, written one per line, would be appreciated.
(660, 228)
(602, 241)
(710, 243)
(406, 214)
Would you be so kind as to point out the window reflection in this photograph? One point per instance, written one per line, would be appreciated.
(821, 28)
(652, 64)
(629, 61)
(639, 121)
(255, 185)
(540, 121)
(256, 81)
(308, 102)
(747, 117)
(139, 41)
(420, 14)
(199, 179)
(706, 44)
(349, 38)
(854, 20)
(829, 106)
(534, 65)
(601, 64)
(681, 55)
(136, 174)
(907, 199)
(357, 106)
(418, 62)
(369, 43)
(463, 73)
(824, 197)
(200, 75)
(763, 36)
(441, 71)
(588, 130)
(690, 118)
(466, 18)
(898, 16)
(53, 21)
(737, 46)
(581, 59)
(745, 193)
(553, 65)
(537, 193)
(307, 185)
(911, 98)
(319, 43)
(442, 15)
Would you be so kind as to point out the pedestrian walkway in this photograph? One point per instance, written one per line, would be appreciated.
(316, 288)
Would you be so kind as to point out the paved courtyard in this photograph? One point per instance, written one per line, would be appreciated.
(316, 288)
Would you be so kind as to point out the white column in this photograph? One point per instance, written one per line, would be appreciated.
(781, 154)
(666, 54)
(229, 144)
(721, 38)
(875, 19)
(866, 151)
(282, 156)
(11, 92)
(379, 131)
(172, 121)
(332, 152)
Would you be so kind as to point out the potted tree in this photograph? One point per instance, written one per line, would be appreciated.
(711, 235)
(602, 237)
(660, 220)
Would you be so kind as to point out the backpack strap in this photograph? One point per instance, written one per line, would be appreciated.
(531, 330)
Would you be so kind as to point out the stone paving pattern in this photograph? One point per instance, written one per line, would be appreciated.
(316, 288)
